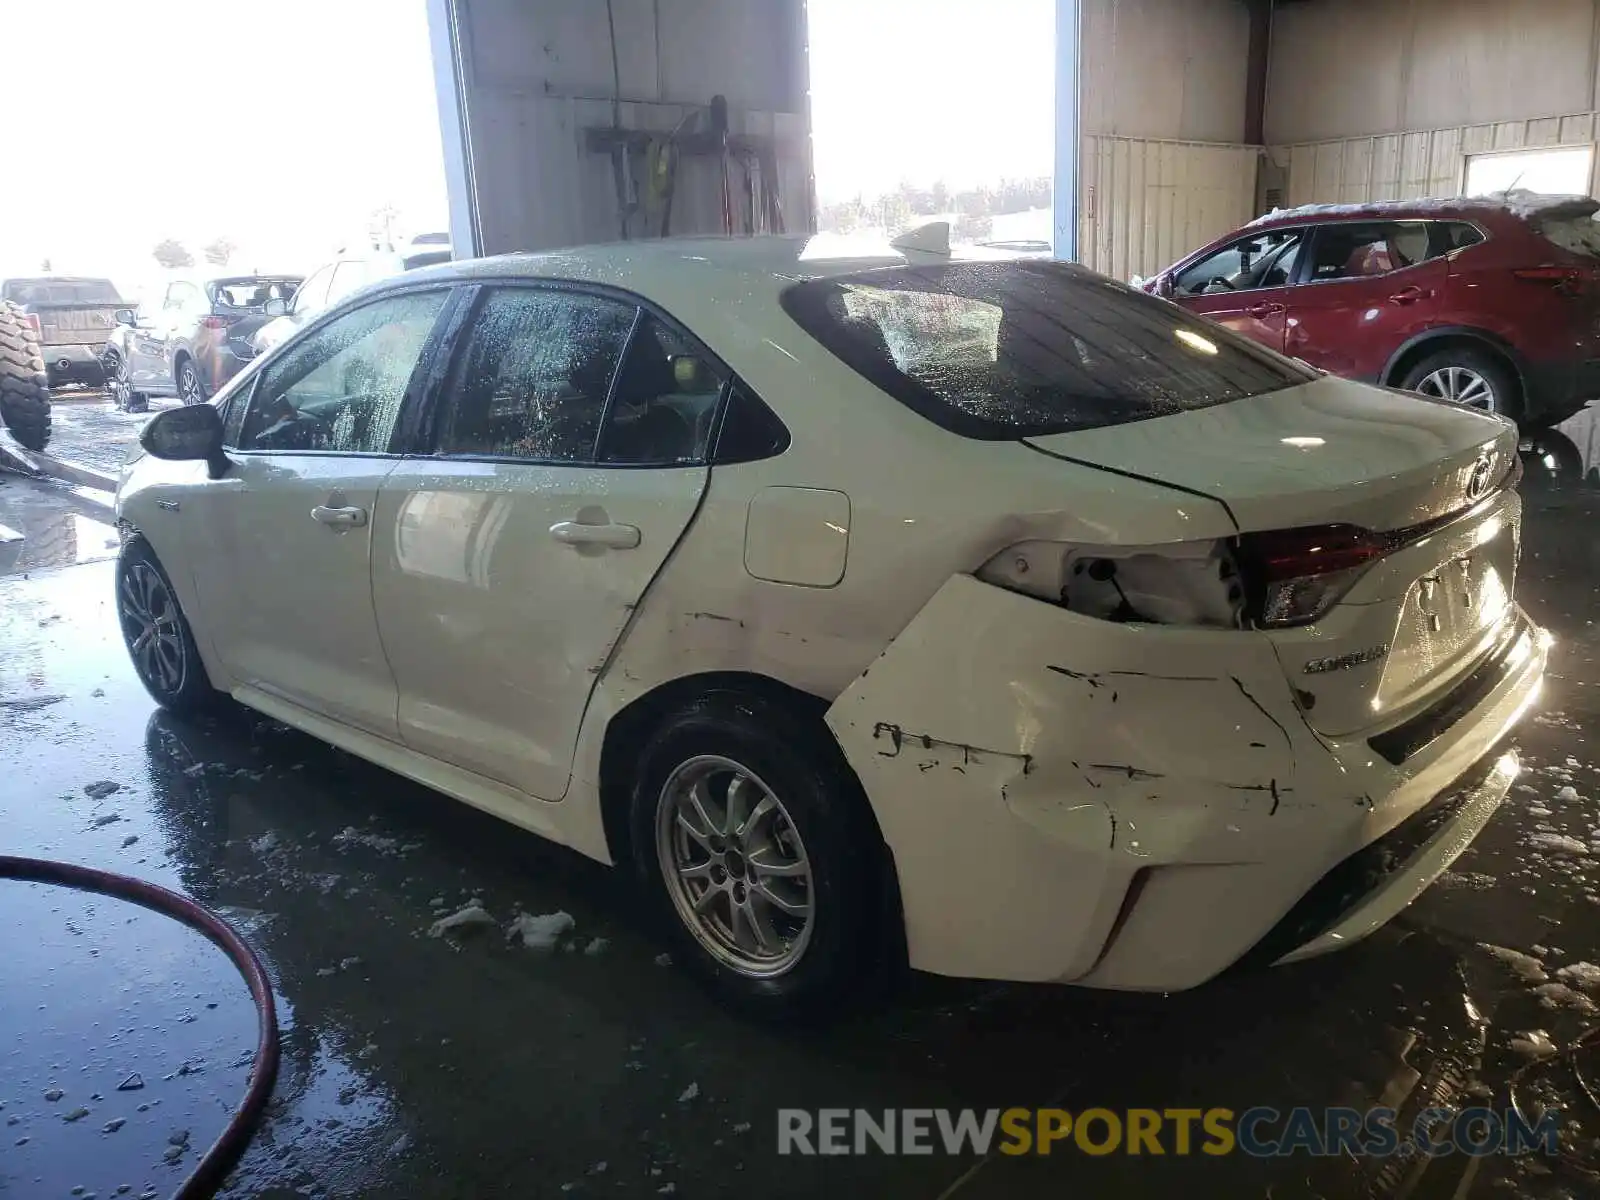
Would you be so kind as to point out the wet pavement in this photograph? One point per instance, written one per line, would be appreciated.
(87, 429)
(418, 1066)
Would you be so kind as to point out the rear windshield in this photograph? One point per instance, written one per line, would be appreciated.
(62, 291)
(1581, 235)
(1012, 349)
(251, 294)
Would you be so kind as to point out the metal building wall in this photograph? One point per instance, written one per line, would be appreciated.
(1164, 167)
(1146, 203)
(1409, 166)
(1349, 68)
(532, 76)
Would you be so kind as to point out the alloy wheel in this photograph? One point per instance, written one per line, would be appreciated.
(734, 866)
(150, 623)
(117, 386)
(1459, 385)
(189, 383)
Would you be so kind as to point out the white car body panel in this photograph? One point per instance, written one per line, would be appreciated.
(1064, 797)
(254, 545)
(495, 630)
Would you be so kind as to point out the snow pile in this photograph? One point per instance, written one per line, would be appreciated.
(1586, 975)
(540, 931)
(1557, 841)
(1559, 995)
(266, 843)
(472, 916)
(1534, 1044)
(1525, 966)
(1519, 202)
(1567, 793)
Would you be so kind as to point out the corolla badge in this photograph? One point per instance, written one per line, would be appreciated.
(1480, 477)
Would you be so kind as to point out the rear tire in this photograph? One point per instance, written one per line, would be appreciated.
(1467, 376)
(24, 386)
(157, 634)
(809, 843)
(187, 376)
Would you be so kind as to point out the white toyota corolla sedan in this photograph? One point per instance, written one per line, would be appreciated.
(988, 613)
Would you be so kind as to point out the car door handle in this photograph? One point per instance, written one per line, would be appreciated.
(1263, 310)
(340, 518)
(1410, 295)
(613, 537)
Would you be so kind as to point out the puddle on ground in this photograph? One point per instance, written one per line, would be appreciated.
(43, 525)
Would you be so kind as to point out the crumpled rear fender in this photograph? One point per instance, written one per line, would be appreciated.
(1025, 763)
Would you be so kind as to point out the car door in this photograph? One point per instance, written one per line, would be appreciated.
(282, 541)
(569, 455)
(1367, 287)
(145, 359)
(1245, 285)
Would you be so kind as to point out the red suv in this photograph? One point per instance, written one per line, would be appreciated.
(1492, 302)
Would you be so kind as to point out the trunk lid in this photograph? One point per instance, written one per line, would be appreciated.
(74, 324)
(1327, 452)
(1334, 452)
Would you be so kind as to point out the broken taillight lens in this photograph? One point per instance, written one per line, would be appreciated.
(1569, 281)
(33, 323)
(216, 322)
(1297, 575)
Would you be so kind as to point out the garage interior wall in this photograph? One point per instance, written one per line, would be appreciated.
(1165, 167)
(1385, 99)
(534, 77)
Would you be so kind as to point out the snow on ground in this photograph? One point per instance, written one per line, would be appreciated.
(1584, 974)
(540, 931)
(1535, 1043)
(1525, 966)
(1558, 841)
(471, 916)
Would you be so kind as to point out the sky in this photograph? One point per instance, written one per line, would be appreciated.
(282, 124)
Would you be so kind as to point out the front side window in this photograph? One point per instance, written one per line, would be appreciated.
(183, 295)
(1261, 260)
(341, 388)
(534, 375)
(1363, 250)
(1022, 348)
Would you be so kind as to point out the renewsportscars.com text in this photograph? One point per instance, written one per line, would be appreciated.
(1259, 1132)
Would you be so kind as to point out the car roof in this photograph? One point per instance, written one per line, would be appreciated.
(721, 267)
(1519, 203)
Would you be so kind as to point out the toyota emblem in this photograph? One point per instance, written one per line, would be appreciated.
(1479, 478)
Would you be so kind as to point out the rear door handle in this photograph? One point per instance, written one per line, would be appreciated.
(1410, 295)
(612, 537)
(340, 518)
(1263, 310)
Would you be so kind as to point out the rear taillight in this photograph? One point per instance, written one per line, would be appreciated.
(1297, 575)
(33, 323)
(216, 322)
(1569, 281)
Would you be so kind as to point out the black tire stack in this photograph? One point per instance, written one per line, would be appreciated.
(24, 389)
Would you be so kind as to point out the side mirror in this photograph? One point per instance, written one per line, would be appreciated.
(1164, 286)
(125, 316)
(276, 307)
(188, 434)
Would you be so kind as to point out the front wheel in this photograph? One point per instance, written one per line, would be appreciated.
(190, 389)
(118, 385)
(157, 634)
(1469, 377)
(752, 836)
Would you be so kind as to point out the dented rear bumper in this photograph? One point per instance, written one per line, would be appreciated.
(1133, 806)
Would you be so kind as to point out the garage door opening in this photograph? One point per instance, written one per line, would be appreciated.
(1564, 172)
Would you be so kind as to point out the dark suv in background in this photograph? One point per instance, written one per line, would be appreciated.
(1492, 302)
(197, 340)
(72, 314)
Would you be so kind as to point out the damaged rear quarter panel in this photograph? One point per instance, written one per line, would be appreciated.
(1025, 761)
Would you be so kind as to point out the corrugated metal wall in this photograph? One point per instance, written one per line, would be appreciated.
(1407, 166)
(1147, 203)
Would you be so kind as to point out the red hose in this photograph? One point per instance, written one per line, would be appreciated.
(214, 1166)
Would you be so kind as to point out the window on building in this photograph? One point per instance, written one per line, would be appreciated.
(1563, 172)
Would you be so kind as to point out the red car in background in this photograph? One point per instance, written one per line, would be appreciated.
(1492, 302)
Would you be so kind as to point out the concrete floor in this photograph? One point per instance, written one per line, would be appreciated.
(423, 1068)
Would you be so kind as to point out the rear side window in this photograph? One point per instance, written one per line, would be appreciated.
(1581, 235)
(250, 294)
(1014, 349)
